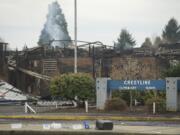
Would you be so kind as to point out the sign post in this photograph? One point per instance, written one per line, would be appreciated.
(104, 87)
(171, 86)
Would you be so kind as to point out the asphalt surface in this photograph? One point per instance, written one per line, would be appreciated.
(120, 127)
(122, 123)
(139, 127)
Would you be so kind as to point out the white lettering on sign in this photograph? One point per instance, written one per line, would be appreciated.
(127, 88)
(150, 88)
(137, 82)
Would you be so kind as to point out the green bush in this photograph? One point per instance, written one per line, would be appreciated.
(160, 104)
(126, 96)
(116, 104)
(69, 86)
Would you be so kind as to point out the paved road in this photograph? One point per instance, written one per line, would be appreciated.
(121, 123)
(119, 126)
(117, 129)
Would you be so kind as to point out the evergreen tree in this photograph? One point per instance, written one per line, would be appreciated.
(55, 28)
(171, 32)
(147, 43)
(125, 41)
(173, 71)
(157, 42)
(25, 48)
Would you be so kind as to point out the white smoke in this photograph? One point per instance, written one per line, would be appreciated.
(55, 28)
(1, 40)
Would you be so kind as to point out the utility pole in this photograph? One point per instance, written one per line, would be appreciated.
(75, 36)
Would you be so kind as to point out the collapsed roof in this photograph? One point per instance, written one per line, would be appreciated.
(10, 93)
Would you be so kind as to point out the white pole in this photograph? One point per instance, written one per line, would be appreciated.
(135, 102)
(25, 107)
(28, 107)
(86, 106)
(56, 105)
(75, 36)
(154, 108)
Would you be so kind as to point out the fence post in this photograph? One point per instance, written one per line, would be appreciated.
(25, 107)
(135, 102)
(56, 104)
(154, 108)
(131, 101)
(86, 106)
(28, 107)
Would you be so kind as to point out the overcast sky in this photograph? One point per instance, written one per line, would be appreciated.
(21, 21)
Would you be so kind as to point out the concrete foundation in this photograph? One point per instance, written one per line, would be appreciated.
(101, 92)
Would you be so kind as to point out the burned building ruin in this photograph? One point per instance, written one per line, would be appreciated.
(32, 69)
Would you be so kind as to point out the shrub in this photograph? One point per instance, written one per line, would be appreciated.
(116, 104)
(69, 86)
(126, 95)
(173, 71)
(160, 104)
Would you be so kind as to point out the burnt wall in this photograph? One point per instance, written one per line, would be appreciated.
(116, 67)
(66, 65)
(131, 67)
(28, 84)
(3, 71)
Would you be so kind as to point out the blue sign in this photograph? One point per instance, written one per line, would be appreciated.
(136, 84)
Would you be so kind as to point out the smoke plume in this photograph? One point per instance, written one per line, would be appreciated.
(55, 28)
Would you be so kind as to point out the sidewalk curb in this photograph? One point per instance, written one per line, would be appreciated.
(20, 132)
(83, 117)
